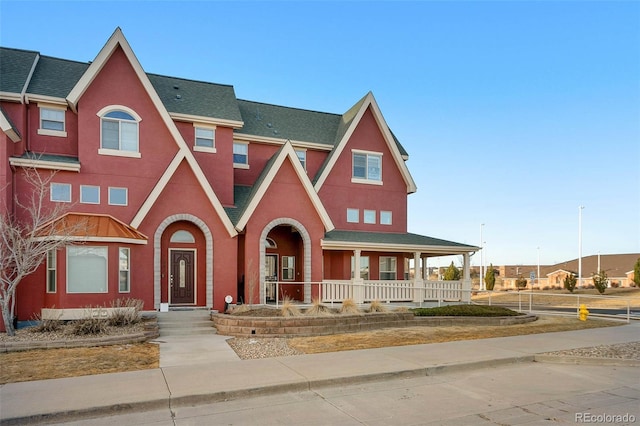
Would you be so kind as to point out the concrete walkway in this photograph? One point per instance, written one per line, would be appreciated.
(223, 377)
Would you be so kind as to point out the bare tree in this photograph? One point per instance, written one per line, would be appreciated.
(25, 241)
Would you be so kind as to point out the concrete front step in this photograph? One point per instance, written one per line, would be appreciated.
(185, 323)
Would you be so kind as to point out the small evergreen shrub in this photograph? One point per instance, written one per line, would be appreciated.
(464, 311)
(570, 282)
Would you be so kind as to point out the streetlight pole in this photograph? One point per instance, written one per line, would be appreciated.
(580, 246)
(482, 285)
(538, 271)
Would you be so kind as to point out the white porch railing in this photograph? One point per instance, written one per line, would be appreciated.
(366, 291)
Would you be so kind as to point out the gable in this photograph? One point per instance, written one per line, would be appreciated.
(351, 122)
(272, 174)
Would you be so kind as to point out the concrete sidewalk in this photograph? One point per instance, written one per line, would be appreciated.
(210, 380)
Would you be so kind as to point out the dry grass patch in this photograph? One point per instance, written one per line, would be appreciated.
(615, 298)
(44, 364)
(426, 334)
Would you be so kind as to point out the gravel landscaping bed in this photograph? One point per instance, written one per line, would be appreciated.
(619, 351)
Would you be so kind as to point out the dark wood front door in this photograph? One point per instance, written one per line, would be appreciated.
(181, 278)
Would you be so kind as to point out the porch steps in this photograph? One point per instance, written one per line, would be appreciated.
(184, 322)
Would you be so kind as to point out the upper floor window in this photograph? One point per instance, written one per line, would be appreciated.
(60, 192)
(386, 217)
(302, 156)
(52, 121)
(367, 167)
(369, 216)
(353, 215)
(119, 132)
(205, 139)
(241, 155)
(89, 194)
(118, 196)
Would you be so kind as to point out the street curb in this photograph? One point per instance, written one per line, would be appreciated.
(579, 360)
(294, 386)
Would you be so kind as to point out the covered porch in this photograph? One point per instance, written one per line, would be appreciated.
(386, 267)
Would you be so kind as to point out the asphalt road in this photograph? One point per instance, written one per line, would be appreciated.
(516, 394)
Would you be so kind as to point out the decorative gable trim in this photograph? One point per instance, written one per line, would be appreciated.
(368, 102)
(118, 39)
(285, 152)
(8, 129)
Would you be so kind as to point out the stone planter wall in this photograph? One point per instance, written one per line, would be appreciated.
(247, 326)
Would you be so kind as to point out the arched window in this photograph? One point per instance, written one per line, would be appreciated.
(119, 130)
(269, 243)
(182, 237)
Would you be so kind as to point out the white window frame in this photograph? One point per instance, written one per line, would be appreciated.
(136, 118)
(126, 195)
(104, 252)
(369, 156)
(244, 165)
(382, 261)
(302, 156)
(60, 185)
(82, 194)
(365, 270)
(126, 269)
(386, 217)
(289, 264)
(52, 271)
(353, 215)
(204, 148)
(369, 216)
(56, 109)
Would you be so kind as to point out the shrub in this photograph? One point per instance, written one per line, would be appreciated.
(615, 284)
(490, 278)
(464, 311)
(127, 316)
(349, 307)
(288, 308)
(600, 281)
(452, 273)
(521, 282)
(377, 306)
(93, 322)
(570, 282)
(318, 309)
(47, 325)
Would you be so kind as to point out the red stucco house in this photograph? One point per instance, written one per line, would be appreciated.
(192, 194)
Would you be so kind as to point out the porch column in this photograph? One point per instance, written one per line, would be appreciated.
(357, 281)
(466, 278)
(418, 281)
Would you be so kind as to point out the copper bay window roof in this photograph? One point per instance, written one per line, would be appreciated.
(91, 227)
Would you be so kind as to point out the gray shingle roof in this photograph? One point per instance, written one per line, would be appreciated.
(196, 97)
(55, 77)
(408, 239)
(50, 157)
(15, 66)
(280, 122)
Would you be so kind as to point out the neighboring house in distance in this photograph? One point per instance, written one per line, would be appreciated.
(191, 194)
(618, 267)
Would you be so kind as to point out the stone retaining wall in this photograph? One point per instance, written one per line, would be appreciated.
(248, 326)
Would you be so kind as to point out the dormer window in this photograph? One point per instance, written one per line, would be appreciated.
(52, 121)
(240, 155)
(205, 140)
(119, 132)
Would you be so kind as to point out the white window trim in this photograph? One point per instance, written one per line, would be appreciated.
(241, 165)
(364, 217)
(109, 196)
(52, 267)
(89, 202)
(292, 259)
(60, 201)
(390, 217)
(357, 211)
(366, 181)
(49, 132)
(302, 150)
(128, 270)
(118, 152)
(211, 150)
(106, 274)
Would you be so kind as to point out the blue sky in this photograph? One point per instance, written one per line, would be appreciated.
(514, 113)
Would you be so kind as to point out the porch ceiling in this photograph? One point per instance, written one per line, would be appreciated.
(381, 241)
